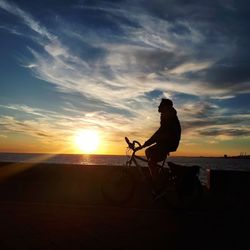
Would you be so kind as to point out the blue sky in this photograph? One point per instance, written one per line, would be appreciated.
(71, 65)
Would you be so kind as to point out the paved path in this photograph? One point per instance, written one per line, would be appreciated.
(27, 225)
(61, 207)
(57, 226)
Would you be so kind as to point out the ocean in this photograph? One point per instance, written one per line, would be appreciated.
(205, 163)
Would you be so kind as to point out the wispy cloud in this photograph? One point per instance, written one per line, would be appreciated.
(123, 68)
(49, 126)
(123, 62)
(190, 67)
(26, 18)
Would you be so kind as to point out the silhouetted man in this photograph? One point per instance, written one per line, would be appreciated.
(165, 139)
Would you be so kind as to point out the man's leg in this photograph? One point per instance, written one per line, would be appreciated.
(154, 156)
(151, 163)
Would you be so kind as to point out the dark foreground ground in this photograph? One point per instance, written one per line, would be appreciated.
(61, 207)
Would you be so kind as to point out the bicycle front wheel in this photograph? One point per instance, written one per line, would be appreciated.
(119, 186)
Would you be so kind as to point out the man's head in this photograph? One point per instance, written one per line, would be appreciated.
(165, 105)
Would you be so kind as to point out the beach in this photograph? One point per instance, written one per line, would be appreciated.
(52, 206)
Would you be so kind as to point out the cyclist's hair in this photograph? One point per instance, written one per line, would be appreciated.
(167, 102)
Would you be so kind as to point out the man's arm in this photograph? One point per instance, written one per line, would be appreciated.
(151, 140)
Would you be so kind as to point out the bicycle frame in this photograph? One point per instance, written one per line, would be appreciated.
(134, 158)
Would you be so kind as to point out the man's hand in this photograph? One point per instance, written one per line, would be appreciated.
(139, 148)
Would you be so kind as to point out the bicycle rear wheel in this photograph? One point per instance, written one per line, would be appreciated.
(119, 187)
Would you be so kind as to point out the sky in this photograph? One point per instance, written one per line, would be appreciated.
(70, 66)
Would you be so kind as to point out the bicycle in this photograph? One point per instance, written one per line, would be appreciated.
(181, 184)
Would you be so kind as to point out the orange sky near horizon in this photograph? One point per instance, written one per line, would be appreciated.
(105, 66)
(20, 144)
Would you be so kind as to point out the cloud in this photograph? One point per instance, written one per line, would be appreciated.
(37, 128)
(226, 132)
(28, 110)
(190, 67)
(123, 62)
(170, 48)
(11, 30)
(26, 18)
(148, 45)
(50, 127)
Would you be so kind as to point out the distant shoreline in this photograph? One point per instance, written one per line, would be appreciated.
(177, 156)
(238, 157)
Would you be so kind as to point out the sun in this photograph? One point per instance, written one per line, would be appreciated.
(87, 141)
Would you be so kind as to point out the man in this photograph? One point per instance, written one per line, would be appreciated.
(165, 139)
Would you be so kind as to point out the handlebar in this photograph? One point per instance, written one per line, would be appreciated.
(132, 145)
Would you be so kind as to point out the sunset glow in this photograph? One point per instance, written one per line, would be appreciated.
(106, 65)
(87, 141)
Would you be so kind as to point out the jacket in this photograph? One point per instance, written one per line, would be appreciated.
(169, 133)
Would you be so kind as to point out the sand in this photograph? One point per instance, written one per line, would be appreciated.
(61, 207)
